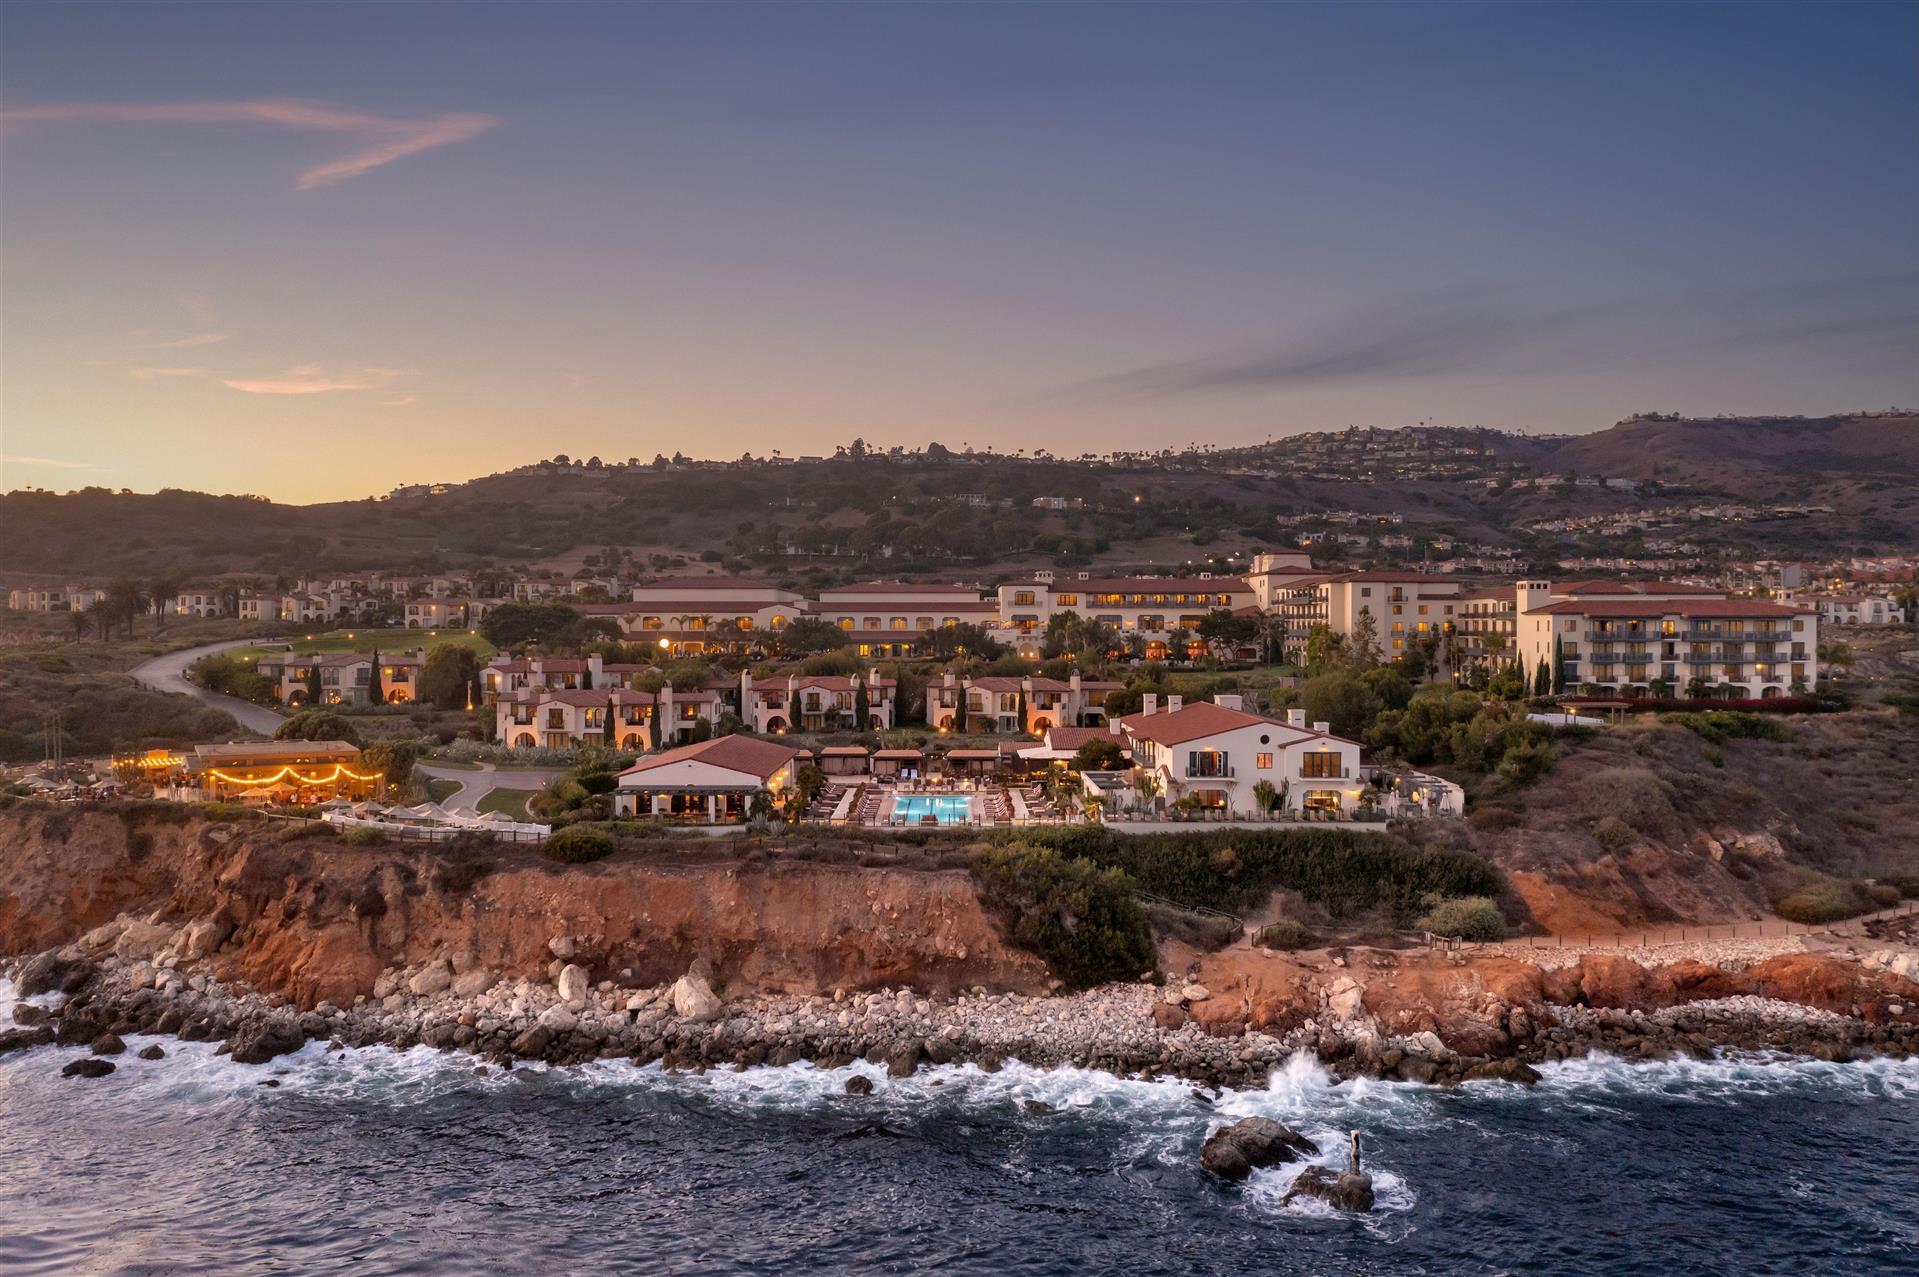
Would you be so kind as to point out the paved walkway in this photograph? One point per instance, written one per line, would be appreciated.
(167, 673)
(477, 784)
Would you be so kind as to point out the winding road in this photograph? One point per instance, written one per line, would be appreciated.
(168, 673)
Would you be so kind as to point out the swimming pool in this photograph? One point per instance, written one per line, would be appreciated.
(947, 809)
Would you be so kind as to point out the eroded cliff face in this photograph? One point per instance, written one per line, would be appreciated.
(316, 920)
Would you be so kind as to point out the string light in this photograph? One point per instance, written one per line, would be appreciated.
(338, 771)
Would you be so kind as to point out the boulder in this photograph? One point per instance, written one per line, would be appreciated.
(1346, 997)
(471, 984)
(29, 1015)
(562, 947)
(694, 999)
(78, 1027)
(267, 1038)
(904, 1062)
(1347, 1190)
(572, 985)
(21, 1039)
(141, 941)
(108, 1044)
(533, 1043)
(1168, 1015)
(50, 972)
(559, 1019)
(152, 1052)
(89, 1067)
(203, 938)
(433, 978)
(859, 1084)
(1253, 1143)
(1195, 993)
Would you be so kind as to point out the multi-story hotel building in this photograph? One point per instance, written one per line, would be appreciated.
(548, 718)
(1621, 636)
(1147, 606)
(887, 618)
(1406, 608)
(994, 703)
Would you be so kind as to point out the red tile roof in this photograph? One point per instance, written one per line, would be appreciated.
(759, 758)
(1602, 586)
(1707, 608)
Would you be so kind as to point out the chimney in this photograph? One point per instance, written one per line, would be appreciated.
(1149, 703)
(747, 707)
(668, 725)
(1228, 700)
(1322, 728)
(1072, 680)
(596, 666)
(1174, 702)
(1296, 718)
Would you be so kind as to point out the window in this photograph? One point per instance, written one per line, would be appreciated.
(1066, 600)
(897, 623)
(1263, 762)
(846, 622)
(1322, 764)
(1022, 598)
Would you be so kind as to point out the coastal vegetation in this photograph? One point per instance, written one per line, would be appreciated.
(1081, 918)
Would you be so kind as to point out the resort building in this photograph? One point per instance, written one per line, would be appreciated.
(1273, 572)
(1216, 754)
(816, 702)
(556, 673)
(273, 771)
(621, 718)
(889, 618)
(1028, 705)
(447, 613)
(1407, 608)
(1150, 607)
(1622, 637)
(343, 678)
(712, 782)
(1486, 622)
(1860, 609)
(701, 613)
(60, 598)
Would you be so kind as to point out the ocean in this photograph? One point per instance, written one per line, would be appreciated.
(376, 1162)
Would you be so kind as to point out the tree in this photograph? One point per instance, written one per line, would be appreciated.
(1363, 647)
(1264, 794)
(608, 728)
(1542, 679)
(448, 677)
(805, 635)
(793, 710)
(1101, 754)
(1325, 649)
(1021, 711)
(1389, 685)
(959, 711)
(1222, 629)
(125, 600)
(317, 724)
(313, 681)
(1146, 785)
(163, 589)
(373, 681)
(862, 706)
(393, 759)
(962, 639)
(1559, 666)
(81, 622)
(808, 780)
(511, 624)
(1340, 700)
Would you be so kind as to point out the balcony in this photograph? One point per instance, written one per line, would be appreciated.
(1209, 771)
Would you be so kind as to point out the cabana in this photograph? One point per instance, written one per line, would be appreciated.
(845, 760)
(899, 762)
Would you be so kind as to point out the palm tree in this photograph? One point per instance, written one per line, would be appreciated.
(162, 590)
(1146, 785)
(82, 622)
(126, 600)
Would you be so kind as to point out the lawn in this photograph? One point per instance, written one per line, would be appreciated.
(440, 790)
(368, 640)
(511, 802)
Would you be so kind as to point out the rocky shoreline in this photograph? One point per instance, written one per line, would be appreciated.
(140, 978)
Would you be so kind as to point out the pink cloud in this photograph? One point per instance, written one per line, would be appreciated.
(181, 343)
(154, 374)
(312, 379)
(384, 139)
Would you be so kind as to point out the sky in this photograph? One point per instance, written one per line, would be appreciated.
(314, 251)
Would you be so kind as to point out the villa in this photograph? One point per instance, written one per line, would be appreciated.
(816, 702)
(1216, 754)
(1860, 609)
(1150, 607)
(623, 718)
(714, 781)
(1026, 705)
(343, 678)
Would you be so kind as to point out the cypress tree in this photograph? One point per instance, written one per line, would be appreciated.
(862, 707)
(1542, 679)
(313, 682)
(1020, 727)
(1559, 667)
(793, 710)
(373, 681)
(608, 732)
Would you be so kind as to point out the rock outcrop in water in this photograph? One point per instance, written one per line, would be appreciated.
(1251, 1144)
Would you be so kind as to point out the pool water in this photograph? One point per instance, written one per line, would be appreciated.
(947, 809)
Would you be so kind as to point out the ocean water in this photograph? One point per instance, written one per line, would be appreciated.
(380, 1162)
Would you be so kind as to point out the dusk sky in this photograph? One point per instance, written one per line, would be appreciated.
(314, 251)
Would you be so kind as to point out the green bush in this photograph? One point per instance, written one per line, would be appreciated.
(1083, 920)
(578, 844)
(1819, 902)
(1883, 895)
(1720, 725)
(1464, 918)
(597, 782)
(1286, 934)
(1614, 834)
(1907, 885)
(1340, 870)
(364, 836)
(459, 875)
(1633, 795)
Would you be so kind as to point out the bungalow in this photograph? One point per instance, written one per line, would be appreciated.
(845, 760)
(713, 781)
(1026, 705)
(559, 673)
(1217, 754)
(816, 702)
(546, 718)
(343, 678)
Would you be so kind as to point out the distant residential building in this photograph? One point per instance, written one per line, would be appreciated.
(1149, 607)
(1216, 753)
(546, 718)
(1860, 609)
(994, 703)
(344, 678)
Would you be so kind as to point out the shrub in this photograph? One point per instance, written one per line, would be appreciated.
(318, 724)
(1083, 920)
(459, 875)
(597, 782)
(1722, 725)
(1464, 918)
(578, 844)
(1633, 795)
(364, 836)
(1527, 761)
(1614, 834)
(1206, 932)
(1286, 934)
(1824, 901)
(1339, 870)
(1907, 885)
(1884, 895)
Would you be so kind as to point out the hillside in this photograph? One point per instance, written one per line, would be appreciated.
(935, 512)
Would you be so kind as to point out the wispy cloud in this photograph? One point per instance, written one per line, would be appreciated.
(155, 374)
(55, 463)
(400, 402)
(181, 343)
(1446, 332)
(382, 139)
(313, 379)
